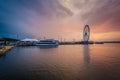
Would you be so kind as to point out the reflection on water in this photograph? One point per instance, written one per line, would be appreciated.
(66, 62)
(86, 53)
(47, 47)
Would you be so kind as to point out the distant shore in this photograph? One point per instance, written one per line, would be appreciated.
(111, 41)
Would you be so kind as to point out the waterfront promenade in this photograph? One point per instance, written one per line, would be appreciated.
(5, 49)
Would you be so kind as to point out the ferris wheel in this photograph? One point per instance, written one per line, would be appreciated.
(86, 33)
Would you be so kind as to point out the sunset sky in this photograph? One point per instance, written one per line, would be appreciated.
(60, 18)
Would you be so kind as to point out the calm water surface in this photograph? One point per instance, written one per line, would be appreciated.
(66, 62)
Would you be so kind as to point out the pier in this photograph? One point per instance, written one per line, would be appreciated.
(7, 43)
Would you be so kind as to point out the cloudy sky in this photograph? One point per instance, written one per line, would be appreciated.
(60, 18)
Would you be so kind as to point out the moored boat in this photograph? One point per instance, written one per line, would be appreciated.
(48, 42)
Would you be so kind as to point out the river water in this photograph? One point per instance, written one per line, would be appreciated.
(65, 62)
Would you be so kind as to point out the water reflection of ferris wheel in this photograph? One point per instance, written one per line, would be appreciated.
(86, 53)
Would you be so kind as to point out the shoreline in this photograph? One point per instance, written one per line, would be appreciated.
(5, 50)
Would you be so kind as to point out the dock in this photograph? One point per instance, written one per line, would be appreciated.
(5, 49)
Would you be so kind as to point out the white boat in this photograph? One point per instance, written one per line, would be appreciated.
(48, 42)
